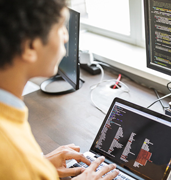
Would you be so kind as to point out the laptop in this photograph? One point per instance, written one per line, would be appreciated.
(136, 139)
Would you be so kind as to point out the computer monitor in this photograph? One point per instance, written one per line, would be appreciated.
(68, 76)
(158, 37)
(158, 34)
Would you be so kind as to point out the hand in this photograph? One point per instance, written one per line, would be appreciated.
(90, 172)
(59, 156)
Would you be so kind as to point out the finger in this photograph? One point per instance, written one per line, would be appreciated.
(106, 169)
(77, 156)
(75, 148)
(94, 165)
(111, 175)
(69, 147)
(64, 172)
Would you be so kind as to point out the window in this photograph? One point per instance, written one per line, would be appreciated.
(112, 15)
(122, 20)
(118, 19)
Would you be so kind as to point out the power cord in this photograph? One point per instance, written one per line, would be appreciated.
(169, 88)
(120, 86)
(102, 73)
(114, 69)
(159, 98)
(106, 98)
(100, 64)
(164, 107)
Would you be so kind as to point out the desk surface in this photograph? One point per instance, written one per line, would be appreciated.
(71, 118)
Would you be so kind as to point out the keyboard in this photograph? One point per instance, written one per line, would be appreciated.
(121, 175)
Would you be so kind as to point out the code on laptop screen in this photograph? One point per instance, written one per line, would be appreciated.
(136, 140)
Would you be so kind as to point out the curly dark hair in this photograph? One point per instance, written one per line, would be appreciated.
(25, 19)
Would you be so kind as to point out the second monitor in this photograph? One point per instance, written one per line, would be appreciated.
(68, 77)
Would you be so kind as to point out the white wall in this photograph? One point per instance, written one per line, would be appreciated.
(78, 5)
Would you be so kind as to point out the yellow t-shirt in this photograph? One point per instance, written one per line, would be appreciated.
(20, 155)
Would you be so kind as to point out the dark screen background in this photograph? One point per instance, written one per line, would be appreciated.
(69, 67)
(158, 134)
(159, 30)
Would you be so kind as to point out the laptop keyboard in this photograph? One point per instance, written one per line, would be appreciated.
(121, 176)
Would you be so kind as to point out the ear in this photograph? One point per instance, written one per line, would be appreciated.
(30, 49)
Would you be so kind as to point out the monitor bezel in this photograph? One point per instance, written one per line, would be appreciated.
(76, 85)
(148, 42)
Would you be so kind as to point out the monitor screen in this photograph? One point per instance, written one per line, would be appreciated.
(69, 68)
(158, 34)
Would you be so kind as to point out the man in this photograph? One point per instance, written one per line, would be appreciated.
(32, 38)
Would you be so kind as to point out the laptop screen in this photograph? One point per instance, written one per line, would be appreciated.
(137, 139)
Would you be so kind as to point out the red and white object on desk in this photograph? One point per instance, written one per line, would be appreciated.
(117, 81)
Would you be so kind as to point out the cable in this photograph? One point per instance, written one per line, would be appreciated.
(98, 63)
(159, 99)
(102, 74)
(113, 68)
(117, 83)
(102, 71)
(122, 87)
(168, 86)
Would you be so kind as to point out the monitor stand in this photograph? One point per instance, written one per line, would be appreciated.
(57, 85)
